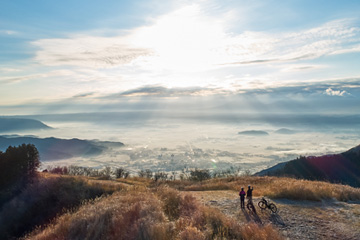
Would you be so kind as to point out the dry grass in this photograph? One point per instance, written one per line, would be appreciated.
(254, 231)
(159, 214)
(148, 210)
(133, 215)
(312, 190)
(195, 221)
(44, 199)
(276, 187)
(136, 181)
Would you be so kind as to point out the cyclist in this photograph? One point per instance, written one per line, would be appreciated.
(242, 197)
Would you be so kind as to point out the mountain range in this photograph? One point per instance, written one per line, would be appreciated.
(56, 148)
(20, 124)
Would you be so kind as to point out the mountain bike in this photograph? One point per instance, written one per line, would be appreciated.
(263, 204)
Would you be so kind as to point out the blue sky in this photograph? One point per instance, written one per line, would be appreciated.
(84, 55)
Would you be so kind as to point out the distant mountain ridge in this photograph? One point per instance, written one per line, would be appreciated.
(285, 131)
(254, 133)
(337, 168)
(20, 124)
(51, 149)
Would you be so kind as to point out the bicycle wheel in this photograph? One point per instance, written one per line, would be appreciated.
(262, 204)
(273, 208)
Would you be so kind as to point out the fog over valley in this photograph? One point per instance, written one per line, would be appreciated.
(173, 141)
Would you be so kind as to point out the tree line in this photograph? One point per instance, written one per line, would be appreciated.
(18, 167)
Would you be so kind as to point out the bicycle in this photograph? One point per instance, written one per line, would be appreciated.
(263, 204)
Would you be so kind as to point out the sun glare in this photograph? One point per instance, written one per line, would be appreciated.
(183, 41)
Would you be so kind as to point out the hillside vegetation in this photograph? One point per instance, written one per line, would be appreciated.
(149, 213)
(141, 208)
(152, 206)
(76, 207)
(275, 187)
(337, 168)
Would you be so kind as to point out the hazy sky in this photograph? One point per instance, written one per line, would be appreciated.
(55, 55)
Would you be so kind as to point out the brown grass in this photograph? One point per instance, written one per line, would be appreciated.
(160, 214)
(275, 187)
(254, 231)
(121, 216)
(195, 221)
(148, 210)
(136, 181)
(44, 199)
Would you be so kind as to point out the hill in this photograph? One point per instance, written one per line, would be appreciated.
(183, 209)
(56, 148)
(285, 131)
(337, 168)
(20, 124)
(254, 133)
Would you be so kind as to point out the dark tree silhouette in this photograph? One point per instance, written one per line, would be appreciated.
(18, 167)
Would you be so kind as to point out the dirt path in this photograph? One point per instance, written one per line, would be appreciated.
(294, 219)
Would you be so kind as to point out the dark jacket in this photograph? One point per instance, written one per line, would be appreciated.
(249, 192)
(242, 194)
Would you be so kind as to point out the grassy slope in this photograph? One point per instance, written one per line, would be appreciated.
(172, 210)
(294, 219)
(46, 198)
(276, 187)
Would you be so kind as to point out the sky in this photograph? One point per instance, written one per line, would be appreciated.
(265, 55)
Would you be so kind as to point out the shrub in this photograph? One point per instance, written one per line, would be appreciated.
(171, 202)
(191, 233)
(121, 173)
(160, 176)
(200, 175)
(254, 231)
(130, 215)
(58, 170)
(42, 201)
(145, 173)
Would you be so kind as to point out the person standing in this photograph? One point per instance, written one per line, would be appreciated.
(242, 197)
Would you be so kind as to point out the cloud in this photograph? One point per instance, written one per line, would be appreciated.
(87, 51)
(17, 79)
(334, 37)
(161, 91)
(8, 32)
(300, 67)
(24, 77)
(331, 92)
(352, 49)
(209, 103)
(186, 52)
(9, 70)
(84, 95)
(280, 90)
(191, 40)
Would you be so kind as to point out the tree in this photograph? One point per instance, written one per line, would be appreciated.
(145, 174)
(200, 175)
(120, 173)
(18, 166)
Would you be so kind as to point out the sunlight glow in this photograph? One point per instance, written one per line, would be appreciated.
(185, 40)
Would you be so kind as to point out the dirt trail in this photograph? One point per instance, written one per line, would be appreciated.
(294, 219)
